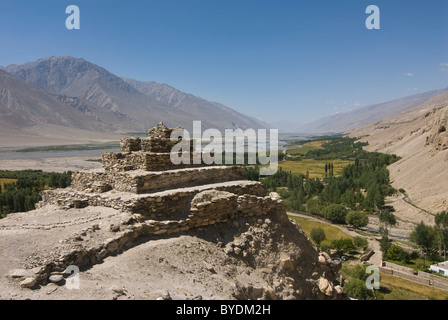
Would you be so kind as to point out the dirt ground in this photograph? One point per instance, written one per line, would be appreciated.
(179, 265)
(201, 263)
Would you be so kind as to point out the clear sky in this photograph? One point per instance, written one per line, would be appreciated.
(272, 59)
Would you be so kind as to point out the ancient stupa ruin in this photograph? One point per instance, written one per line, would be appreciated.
(141, 196)
(142, 179)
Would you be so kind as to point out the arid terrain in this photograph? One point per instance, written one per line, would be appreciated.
(200, 264)
(419, 137)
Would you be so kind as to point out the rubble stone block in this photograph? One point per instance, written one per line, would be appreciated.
(130, 144)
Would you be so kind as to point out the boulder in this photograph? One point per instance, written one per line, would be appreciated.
(286, 263)
(325, 286)
(18, 273)
(28, 282)
(56, 278)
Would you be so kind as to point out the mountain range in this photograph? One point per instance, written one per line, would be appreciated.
(69, 97)
(346, 121)
(74, 93)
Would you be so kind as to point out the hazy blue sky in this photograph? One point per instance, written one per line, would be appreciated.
(290, 60)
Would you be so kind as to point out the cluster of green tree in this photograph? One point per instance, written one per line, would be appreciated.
(17, 199)
(329, 170)
(362, 187)
(39, 178)
(397, 253)
(387, 219)
(336, 147)
(23, 194)
(432, 240)
(338, 213)
(368, 176)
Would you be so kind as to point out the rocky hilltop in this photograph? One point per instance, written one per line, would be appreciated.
(143, 228)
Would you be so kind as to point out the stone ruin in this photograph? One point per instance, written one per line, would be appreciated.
(155, 198)
(141, 179)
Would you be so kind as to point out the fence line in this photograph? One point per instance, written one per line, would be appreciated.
(414, 275)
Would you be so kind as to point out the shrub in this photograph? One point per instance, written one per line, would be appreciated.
(294, 205)
(405, 257)
(324, 248)
(343, 244)
(357, 219)
(358, 289)
(357, 271)
(356, 285)
(313, 207)
(251, 173)
(394, 253)
(336, 213)
(414, 255)
(360, 242)
(318, 235)
(384, 245)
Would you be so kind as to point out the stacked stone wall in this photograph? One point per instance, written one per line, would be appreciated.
(149, 144)
(120, 161)
(144, 181)
(166, 204)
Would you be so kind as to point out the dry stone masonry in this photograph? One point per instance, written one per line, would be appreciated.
(156, 199)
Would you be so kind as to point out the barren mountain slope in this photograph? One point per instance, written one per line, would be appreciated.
(31, 116)
(222, 116)
(365, 116)
(79, 78)
(419, 136)
(23, 105)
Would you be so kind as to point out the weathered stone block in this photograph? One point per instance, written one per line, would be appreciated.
(161, 131)
(130, 144)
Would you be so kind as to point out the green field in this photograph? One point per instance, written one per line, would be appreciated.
(394, 288)
(331, 233)
(316, 168)
(303, 149)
